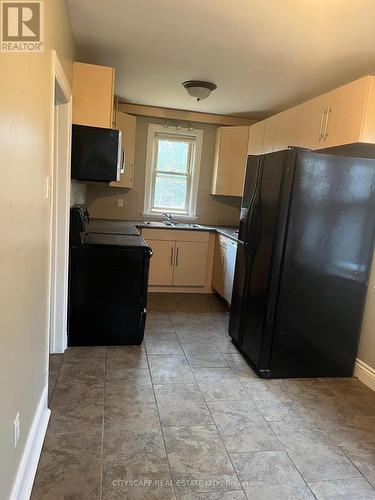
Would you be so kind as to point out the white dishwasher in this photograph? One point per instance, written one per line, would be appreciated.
(229, 271)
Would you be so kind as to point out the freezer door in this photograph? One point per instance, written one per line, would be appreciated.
(326, 263)
(242, 268)
(261, 246)
(251, 179)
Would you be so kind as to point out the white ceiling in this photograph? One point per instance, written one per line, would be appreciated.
(264, 55)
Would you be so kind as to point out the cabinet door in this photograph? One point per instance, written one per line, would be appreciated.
(269, 134)
(345, 111)
(190, 263)
(218, 271)
(93, 93)
(230, 160)
(162, 262)
(126, 123)
(256, 138)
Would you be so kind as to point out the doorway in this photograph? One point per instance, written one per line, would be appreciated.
(60, 196)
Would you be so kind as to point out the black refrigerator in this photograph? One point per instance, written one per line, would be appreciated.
(303, 259)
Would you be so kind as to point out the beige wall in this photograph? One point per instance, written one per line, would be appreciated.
(25, 131)
(366, 352)
(102, 200)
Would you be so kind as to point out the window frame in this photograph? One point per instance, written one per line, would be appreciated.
(196, 136)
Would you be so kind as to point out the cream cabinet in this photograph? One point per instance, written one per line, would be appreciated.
(126, 123)
(256, 138)
(342, 118)
(93, 94)
(190, 266)
(180, 258)
(230, 160)
(162, 262)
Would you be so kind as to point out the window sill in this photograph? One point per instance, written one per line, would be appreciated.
(177, 217)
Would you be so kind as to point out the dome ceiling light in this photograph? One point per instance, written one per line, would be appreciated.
(199, 90)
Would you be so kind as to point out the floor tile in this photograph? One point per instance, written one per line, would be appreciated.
(85, 355)
(269, 474)
(200, 355)
(198, 460)
(69, 467)
(281, 410)
(144, 477)
(348, 489)
(127, 357)
(132, 433)
(264, 390)
(181, 405)
(219, 384)
(352, 430)
(302, 389)
(242, 427)
(314, 453)
(158, 324)
(136, 390)
(239, 365)
(170, 369)
(163, 343)
(363, 457)
(217, 495)
(76, 417)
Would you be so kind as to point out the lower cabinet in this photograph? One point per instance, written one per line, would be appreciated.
(180, 258)
(190, 264)
(224, 266)
(162, 262)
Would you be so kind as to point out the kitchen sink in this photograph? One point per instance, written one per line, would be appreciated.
(177, 225)
(159, 224)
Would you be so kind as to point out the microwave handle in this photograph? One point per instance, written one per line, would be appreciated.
(122, 170)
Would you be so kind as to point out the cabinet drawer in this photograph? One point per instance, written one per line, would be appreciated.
(175, 235)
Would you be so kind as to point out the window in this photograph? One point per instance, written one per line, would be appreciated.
(172, 171)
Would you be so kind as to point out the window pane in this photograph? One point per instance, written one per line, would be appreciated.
(170, 191)
(173, 156)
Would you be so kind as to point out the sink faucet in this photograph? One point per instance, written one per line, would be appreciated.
(168, 217)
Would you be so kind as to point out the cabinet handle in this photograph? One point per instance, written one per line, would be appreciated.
(327, 122)
(177, 257)
(172, 251)
(322, 121)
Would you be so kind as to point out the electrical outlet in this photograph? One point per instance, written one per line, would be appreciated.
(16, 430)
(120, 203)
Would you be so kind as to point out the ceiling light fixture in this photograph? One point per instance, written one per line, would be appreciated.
(199, 90)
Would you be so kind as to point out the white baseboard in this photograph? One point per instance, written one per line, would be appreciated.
(365, 373)
(29, 462)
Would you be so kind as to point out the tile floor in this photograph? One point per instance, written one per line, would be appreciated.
(184, 417)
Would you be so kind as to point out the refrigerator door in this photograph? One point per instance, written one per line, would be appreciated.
(263, 241)
(326, 262)
(242, 257)
(250, 185)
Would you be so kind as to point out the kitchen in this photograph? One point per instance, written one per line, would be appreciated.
(200, 244)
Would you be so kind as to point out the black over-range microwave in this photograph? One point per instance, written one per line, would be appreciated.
(97, 154)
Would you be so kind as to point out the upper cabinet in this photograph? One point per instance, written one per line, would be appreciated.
(126, 123)
(93, 94)
(230, 160)
(256, 137)
(345, 116)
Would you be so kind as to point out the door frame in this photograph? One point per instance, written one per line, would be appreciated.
(60, 205)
